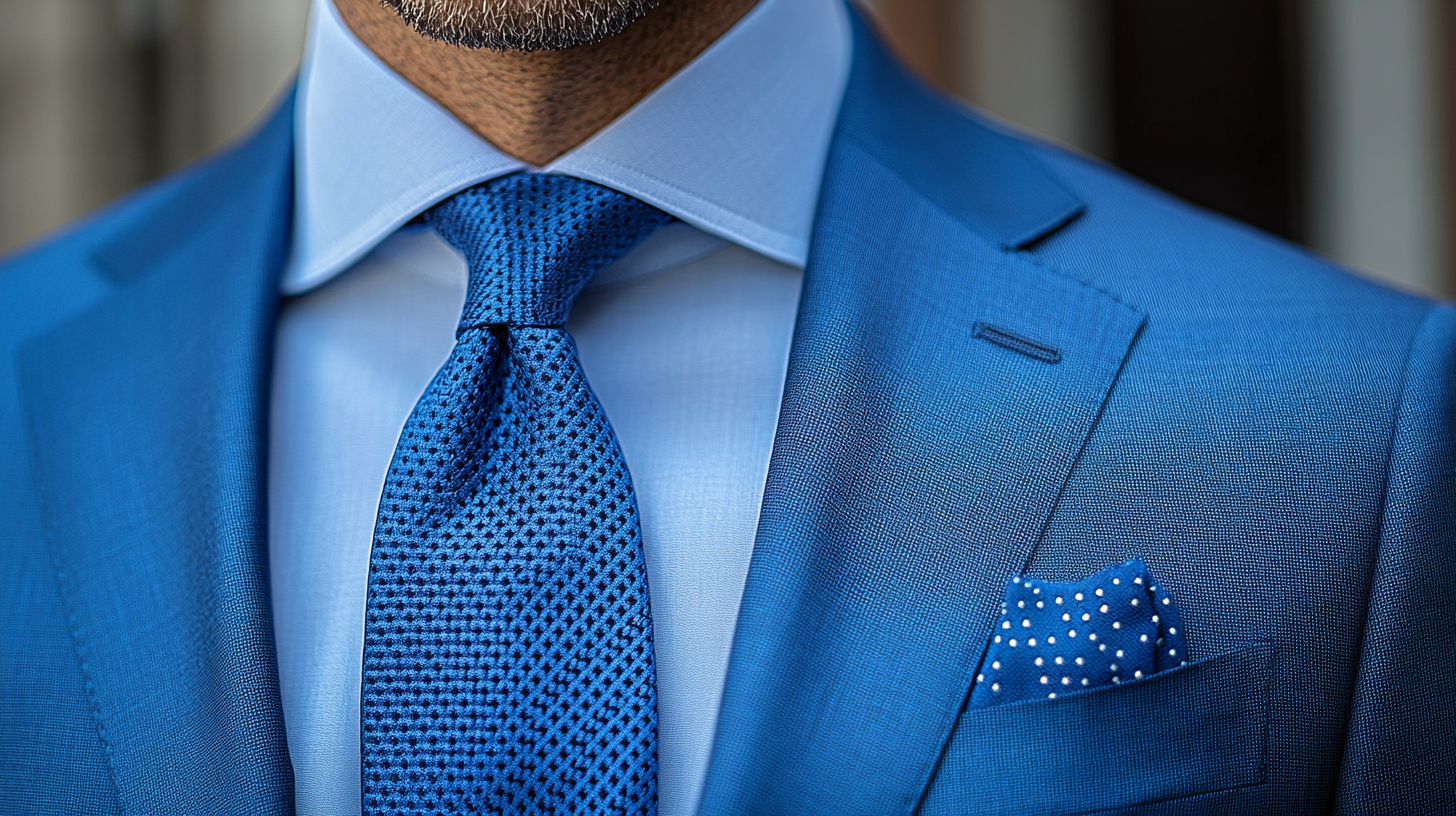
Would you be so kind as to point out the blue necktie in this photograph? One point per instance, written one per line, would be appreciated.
(508, 660)
(1118, 626)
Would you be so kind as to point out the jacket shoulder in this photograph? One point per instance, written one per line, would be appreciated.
(1239, 321)
(67, 270)
(1173, 255)
(59, 274)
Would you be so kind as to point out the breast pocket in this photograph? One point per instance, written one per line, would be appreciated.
(1193, 730)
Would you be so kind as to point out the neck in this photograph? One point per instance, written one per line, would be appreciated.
(536, 106)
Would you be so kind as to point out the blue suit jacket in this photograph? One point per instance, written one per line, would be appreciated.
(1272, 436)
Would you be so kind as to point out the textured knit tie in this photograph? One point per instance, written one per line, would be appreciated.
(1118, 626)
(508, 644)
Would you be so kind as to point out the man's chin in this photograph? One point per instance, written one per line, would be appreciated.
(520, 25)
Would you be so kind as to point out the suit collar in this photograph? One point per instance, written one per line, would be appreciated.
(916, 462)
(948, 155)
(147, 420)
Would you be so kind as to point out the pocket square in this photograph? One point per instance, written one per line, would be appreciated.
(1117, 626)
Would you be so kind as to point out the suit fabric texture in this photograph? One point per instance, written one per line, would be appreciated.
(1273, 437)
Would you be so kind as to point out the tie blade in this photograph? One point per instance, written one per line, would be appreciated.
(508, 664)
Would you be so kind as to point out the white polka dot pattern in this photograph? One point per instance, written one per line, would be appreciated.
(1117, 626)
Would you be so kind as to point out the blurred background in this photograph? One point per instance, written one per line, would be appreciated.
(1328, 122)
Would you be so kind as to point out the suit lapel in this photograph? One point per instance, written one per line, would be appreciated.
(147, 417)
(921, 448)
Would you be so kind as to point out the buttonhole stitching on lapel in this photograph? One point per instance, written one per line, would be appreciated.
(1016, 342)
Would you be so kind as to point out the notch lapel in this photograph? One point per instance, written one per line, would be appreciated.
(147, 418)
(917, 458)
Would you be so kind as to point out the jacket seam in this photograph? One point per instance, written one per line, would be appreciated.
(1395, 427)
(78, 647)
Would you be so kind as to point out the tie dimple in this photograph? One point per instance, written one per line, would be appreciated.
(508, 641)
(532, 242)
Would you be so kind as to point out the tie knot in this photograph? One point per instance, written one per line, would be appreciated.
(532, 241)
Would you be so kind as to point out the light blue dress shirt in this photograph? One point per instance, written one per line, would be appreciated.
(685, 342)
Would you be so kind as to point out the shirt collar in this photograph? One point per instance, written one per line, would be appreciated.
(733, 144)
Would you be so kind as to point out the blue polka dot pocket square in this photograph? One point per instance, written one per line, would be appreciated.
(1118, 626)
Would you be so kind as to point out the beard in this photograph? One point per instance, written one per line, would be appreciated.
(520, 25)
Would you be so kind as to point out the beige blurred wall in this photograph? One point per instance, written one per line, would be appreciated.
(253, 48)
(68, 140)
(98, 95)
(1379, 95)
(1378, 183)
(1039, 64)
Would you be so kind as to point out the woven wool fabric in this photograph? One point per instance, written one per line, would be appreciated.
(508, 645)
(1118, 626)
